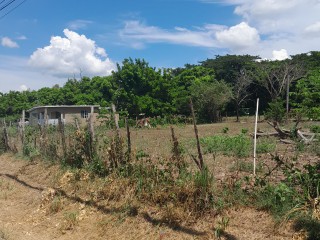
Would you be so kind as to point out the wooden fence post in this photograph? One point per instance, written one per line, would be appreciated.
(5, 136)
(255, 139)
(23, 120)
(63, 138)
(128, 139)
(200, 162)
(116, 119)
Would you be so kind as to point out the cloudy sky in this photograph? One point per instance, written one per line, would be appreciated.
(45, 42)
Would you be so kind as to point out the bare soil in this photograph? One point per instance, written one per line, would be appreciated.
(37, 202)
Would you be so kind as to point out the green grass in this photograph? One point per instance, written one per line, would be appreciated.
(266, 145)
(238, 146)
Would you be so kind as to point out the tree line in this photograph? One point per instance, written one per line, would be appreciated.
(224, 85)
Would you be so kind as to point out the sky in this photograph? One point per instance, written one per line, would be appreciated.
(47, 42)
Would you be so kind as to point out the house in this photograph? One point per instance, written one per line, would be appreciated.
(67, 113)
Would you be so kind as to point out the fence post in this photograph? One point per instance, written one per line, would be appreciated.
(23, 119)
(200, 162)
(116, 119)
(255, 139)
(63, 138)
(128, 139)
(5, 136)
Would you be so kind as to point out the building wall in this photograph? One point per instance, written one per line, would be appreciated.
(68, 114)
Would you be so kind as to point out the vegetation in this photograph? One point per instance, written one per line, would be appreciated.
(220, 86)
(217, 87)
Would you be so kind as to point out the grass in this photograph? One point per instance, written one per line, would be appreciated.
(70, 220)
(56, 205)
(238, 146)
(266, 145)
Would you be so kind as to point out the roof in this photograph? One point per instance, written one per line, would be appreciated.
(63, 106)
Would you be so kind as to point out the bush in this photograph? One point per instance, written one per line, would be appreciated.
(276, 111)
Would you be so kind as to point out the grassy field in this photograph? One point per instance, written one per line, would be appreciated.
(160, 184)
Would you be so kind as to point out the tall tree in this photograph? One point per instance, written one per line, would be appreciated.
(210, 98)
(277, 76)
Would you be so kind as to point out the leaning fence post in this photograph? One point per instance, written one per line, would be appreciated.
(63, 138)
(5, 136)
(255, 139)
(200, 163)
(128, 139)
(23, 120)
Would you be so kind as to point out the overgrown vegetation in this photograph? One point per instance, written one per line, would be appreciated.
(220, 87)
(182, 191)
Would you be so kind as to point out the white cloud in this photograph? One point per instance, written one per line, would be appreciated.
(266, 25)
(280, 55)
(238, 37)
(79, 24)
(23, 88)
(136, 34)
(22, 37)
(7, 42)
(313, 28)
(281, 24)
(15, 72)
(70, 55)
(270, 16)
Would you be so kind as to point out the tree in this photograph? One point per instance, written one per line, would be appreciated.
(240, 90)
(306, 97)
(277, 76)
(239, 72)
(181, 83)
(141, 88)
(210, 98)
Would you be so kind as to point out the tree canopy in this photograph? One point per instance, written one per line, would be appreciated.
(221, 85)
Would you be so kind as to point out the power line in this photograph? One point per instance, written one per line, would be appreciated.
(6, 5)
(12, 8)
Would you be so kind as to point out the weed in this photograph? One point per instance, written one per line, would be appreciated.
(278, 199)
(315, 128)
(225, 130)
(238, 145)
(243, 166)
(244, 130)
(56, 205)
(266, 145)
(203, 181)
(222, 225)
(141, 154)
(70, 220)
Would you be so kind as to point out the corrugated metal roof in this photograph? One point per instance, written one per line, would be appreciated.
(63, 106)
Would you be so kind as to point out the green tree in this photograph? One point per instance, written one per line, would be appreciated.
(210, 98)
(306, 97)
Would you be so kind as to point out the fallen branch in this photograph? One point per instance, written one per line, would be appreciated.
(287, 141)
(304, 139)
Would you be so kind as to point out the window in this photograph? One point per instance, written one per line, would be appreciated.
(84, 114)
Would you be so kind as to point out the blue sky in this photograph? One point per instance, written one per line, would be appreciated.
(45, 42)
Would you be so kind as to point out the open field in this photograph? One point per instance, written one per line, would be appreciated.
(41, 200)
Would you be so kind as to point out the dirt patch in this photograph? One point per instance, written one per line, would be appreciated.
(37, 201)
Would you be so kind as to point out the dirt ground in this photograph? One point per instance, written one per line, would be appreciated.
(29, 210)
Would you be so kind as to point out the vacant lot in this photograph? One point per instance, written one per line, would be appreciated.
(41, 200)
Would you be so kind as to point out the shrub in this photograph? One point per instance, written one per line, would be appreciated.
(276, 111)
(238, 145)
